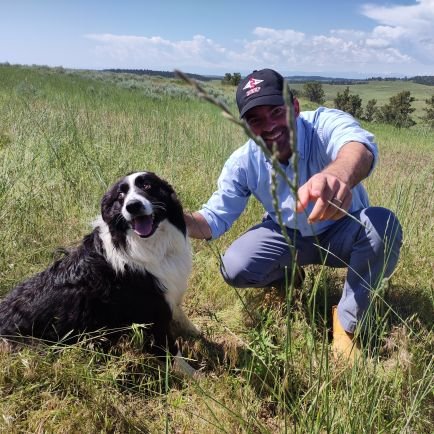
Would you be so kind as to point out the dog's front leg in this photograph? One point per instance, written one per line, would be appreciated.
(182, 326)
(165, 345)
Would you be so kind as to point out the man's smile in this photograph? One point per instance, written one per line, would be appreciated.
(273, 137)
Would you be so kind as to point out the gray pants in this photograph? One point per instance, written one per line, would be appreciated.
(370, 251)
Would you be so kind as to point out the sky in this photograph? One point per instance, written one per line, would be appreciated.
(338, 38)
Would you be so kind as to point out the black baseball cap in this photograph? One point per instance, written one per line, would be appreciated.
(263, 87)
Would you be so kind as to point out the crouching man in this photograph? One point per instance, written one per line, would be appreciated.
(331, 208)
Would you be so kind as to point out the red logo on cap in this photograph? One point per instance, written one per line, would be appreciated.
(252, 83)
(254, 90)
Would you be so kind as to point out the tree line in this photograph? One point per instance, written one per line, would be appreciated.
(232, 79)
(397, 112)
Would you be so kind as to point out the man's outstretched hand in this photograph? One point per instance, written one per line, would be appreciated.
(322, 188)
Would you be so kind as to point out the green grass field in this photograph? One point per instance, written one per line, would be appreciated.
(65, 136)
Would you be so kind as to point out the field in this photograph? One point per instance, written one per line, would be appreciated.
(65, 136)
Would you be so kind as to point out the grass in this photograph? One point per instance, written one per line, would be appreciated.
(64, 137)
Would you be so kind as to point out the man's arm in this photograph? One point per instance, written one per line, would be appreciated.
(197, 226)
(335, 182)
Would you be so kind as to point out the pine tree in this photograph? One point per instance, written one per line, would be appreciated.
(349, 103)
(227, 79)
(314, 92)
(398, 111)
(429, 110)
(371, 110)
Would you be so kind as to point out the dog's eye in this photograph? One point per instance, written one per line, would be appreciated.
(146, 186)
(121, 195)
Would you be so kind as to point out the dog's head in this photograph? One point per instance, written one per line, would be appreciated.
(140, 202)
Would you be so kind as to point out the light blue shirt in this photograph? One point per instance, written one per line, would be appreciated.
(320, 136)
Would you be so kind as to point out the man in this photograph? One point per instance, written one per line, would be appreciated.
(331, 208)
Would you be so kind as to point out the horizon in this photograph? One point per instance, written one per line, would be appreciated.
(219, 76)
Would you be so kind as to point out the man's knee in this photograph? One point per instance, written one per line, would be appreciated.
(255, 259)
(233, 269)
(243, 271)
(383, 226)
(384, 233)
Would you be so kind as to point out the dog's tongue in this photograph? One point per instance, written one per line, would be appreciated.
(142, 225)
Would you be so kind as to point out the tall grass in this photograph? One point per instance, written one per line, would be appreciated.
(64, 137)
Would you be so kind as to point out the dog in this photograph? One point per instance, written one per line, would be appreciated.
(132, 268)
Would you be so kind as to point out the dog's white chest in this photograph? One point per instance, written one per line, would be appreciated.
(169, 260)
(166, 255)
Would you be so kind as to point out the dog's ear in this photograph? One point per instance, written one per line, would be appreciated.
(107, 202)
(168, 190)
(175, 200)
(105, 205)
(175, 213)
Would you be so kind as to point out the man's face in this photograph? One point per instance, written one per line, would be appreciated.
(269, 122)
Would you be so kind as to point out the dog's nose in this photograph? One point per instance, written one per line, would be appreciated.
(134, 206)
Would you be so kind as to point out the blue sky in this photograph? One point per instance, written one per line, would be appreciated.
(349, 38)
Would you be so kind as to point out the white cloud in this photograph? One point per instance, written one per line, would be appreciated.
(156, 52)
(401, 42)
(340, 50)
(408, 28)
(413, 17)
(284, 36)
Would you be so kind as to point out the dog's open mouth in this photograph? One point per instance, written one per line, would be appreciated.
(143, 225)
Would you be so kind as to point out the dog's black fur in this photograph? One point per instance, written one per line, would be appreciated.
(92, 288)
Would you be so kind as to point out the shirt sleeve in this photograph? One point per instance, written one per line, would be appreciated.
(228, 201)
(337, 128)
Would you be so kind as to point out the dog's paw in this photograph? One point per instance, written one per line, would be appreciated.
(5, 346)
(181, 366)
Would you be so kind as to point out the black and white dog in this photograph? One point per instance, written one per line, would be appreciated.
(132, 268)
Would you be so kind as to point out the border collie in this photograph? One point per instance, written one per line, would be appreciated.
(132, 268)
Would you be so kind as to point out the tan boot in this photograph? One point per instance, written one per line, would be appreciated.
(344, 346)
